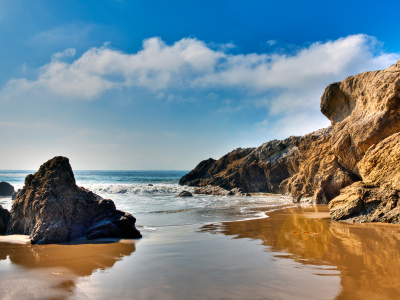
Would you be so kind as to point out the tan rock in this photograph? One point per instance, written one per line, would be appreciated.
(363, 109)
(319, 177)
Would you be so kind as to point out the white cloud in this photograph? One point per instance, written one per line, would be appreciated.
(286, 85)
(66, 53)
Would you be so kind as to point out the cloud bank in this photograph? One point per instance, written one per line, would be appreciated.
(283, 84)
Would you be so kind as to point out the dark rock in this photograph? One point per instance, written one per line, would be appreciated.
(14, 196)
(6, 189)
(185, 194)
(219, 191)
(51, 208)
(4, 218)
(149, 184)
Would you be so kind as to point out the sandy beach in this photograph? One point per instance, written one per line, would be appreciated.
(295, 253)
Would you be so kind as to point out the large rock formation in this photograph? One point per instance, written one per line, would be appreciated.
(6, 189)
(51, 208)
(354, 162)
(304, 167)
(364, 110)
(4, 218)
(366, 141)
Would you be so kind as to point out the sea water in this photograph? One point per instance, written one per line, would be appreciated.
(151, 196)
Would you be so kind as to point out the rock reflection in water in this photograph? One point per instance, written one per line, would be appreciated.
(367, 255)
(51, 271)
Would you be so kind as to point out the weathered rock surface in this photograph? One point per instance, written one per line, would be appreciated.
(319, 177)
(6, 189)
(259, 169)
(363, 109)
(51, 208)
(304, 167)
(14, 196)
(219, 191)
(376, 199)
(185, 194)
(4, 218)
(361, 145)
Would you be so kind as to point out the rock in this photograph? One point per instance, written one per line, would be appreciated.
(363, 110)
(218, 191)
(6, 189)
(149, 184)
(185, 194)
(14, 196)
(319, 177)
(303, 167)
(4, 218)
(376, 199)
(51, 208)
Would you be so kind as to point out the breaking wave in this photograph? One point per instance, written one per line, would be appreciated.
(137, 189)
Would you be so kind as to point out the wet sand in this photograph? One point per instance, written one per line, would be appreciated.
(296, 253)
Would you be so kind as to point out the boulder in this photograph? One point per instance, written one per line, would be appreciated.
(4, 218)
(185, 194)
(51, 208)
(376, 199)
(363, 110)
(14, 196)
(6, 189)
(218, 191)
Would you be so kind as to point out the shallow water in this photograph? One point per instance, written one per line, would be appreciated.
(151, 197)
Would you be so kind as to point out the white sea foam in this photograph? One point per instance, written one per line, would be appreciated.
(137, 189)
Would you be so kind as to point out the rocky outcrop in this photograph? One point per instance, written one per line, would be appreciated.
(259, 169)
(185, 194)
(361, 145)
(303, 167)
(319, 177)
(364, 110)
(219, 191)
(51, 208)
(366, 141)
(376, 199)
(6, 189)
(4, 218)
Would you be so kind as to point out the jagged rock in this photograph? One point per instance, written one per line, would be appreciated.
(14, 196)
(259, 169)
(51, 208)
(319, 176)
(376, 199)
(6, 189)
(304, 167)
(185, 194)
(363, 109)
(4, 218)
(219, 191)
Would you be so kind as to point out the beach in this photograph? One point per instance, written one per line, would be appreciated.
(294, 253)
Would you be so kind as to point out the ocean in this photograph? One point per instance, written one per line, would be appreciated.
(150, 196)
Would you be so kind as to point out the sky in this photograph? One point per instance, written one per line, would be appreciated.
(162, 85)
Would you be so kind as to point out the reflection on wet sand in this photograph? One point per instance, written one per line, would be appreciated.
(367, 256)
(50, 271)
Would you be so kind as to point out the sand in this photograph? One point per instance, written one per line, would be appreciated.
(295, 253)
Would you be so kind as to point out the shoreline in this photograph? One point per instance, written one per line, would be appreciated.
(253, 259)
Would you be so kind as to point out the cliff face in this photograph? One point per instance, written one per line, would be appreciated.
(304, 167)
(352, 164)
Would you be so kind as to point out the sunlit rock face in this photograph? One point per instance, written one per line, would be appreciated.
(364, 110)
(302, 166)
(361, 145)
(51, 208)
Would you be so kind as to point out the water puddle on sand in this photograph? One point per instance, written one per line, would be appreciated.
(296, 253)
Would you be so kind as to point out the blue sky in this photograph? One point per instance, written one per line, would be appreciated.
(166, 84)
